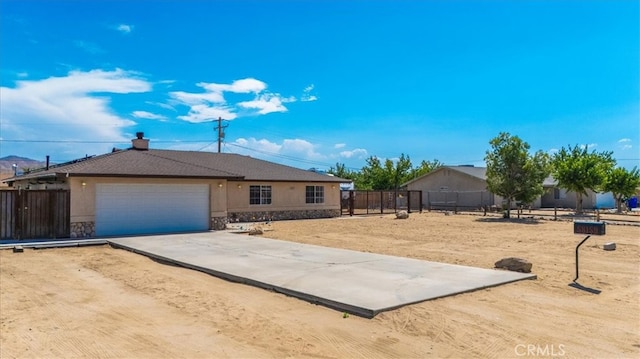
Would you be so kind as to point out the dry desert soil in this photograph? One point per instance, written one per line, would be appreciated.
(101, 302)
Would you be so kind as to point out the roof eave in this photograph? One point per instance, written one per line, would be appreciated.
(129, 175)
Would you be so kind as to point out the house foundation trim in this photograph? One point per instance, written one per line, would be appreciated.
(263, 216)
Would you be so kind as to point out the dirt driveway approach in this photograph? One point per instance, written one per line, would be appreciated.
(102, 302)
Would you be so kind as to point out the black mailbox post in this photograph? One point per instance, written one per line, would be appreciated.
(590, 228)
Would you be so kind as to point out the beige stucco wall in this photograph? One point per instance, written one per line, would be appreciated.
(285, 196)
(447, 179)
(224, 196)
(447, 182)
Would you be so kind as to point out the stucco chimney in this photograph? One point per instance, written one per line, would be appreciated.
(139, 143)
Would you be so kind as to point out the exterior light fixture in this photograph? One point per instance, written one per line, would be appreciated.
(220, 184)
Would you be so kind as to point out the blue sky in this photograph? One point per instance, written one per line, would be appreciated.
(315, 83)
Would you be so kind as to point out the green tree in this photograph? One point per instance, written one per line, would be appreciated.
(387, 175)
(370, 174)
(424, 168)
(576, 169)
(342, 171)
(512, 172)
(398, 171)
(384, 175)
(622, 183)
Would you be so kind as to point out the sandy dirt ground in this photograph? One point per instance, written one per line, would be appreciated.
(100, 302)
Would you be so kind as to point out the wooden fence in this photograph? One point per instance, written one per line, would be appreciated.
(34, 214)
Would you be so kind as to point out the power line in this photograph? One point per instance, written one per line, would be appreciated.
(286, 157)
(202, 148)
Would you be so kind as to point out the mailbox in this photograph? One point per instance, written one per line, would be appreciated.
(589, 228)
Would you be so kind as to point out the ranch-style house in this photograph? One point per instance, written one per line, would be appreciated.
(144, 191)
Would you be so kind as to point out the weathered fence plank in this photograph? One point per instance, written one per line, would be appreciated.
(31, 214)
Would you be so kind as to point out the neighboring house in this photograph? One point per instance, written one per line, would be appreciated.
(561, 198)
(449, 187)
(3, 176)
(466, 187)
(144, 191)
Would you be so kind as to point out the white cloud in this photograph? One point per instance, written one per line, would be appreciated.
(66, 109)
(339, 145)
(204, 113)
(189, 98)
(356, 153)
(306, 96)
(262, 145)
(301, 147)
(625, 144)
(160, 104)
(147, 115)
(293, 148)
(124, 28)
(248, 85)
(264, 104)
(211, 104)
(590, 146)
(287, 99)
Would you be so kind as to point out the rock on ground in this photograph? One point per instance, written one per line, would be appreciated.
(515, 264)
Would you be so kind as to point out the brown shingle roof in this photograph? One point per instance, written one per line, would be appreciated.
(182, 164)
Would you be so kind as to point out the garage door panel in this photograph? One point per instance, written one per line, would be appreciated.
(151, 208)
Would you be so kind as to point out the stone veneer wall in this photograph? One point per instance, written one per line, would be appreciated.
(83, 229)
(88, 229)
(259, 216)
(219, 223)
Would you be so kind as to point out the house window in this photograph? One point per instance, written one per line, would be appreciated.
(315, 194)
(559, 193)
(259, 194)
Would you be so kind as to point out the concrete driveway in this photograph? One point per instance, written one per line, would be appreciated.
(360, 283)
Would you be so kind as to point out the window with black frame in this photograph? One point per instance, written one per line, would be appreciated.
(315, 194)
(260, 195)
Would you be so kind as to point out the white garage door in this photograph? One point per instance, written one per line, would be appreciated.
(151, 208)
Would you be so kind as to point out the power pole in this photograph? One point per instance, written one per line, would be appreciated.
(220, 129)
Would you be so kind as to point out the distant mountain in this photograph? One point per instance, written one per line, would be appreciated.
(6, 163)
